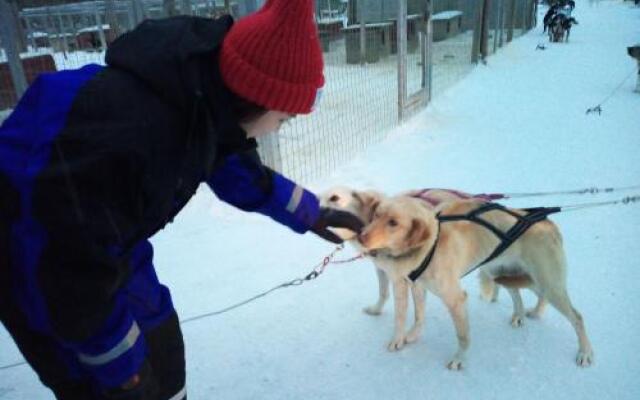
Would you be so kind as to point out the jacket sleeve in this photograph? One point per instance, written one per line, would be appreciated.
(242, 181)
(89, 313)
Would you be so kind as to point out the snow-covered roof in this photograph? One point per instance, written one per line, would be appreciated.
(446, 15)
(94, 28)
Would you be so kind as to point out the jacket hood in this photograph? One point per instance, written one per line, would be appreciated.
(163, 53)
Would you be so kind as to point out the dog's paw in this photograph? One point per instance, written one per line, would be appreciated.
(397, 343)
(455, 365)
(517, 321)
(372, 310)
(584, 358)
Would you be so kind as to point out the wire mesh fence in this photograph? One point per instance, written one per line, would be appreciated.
(375, 62)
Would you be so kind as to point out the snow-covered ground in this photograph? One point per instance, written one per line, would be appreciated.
(515, 125)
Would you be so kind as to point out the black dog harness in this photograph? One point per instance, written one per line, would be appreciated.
(524, 222)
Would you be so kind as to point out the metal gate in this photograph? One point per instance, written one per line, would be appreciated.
(414, 37)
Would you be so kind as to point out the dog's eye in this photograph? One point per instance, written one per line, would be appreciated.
(392, 222)
(334, 198)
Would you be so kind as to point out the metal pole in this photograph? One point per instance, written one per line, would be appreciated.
(20, 35)
(98, 18)
(496, 32)
(502, 18)
(401, 34)
(10, 44)
(32, 33)
(511, 20)
(50, 28)
(63, 36)
(477, 32)
(534, 23)
(111, 18)
(428, 56)
(484, 43)
(363, 32)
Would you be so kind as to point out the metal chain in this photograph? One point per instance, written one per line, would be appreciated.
(315, 272)
(9, 366)
(320, 267)
(624, 201)
(591, 190)
(598, 108)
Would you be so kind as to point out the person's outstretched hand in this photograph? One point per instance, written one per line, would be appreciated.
(330, 217)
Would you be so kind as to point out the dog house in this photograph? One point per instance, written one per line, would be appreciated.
(446, 24)
(33, 66)
(378, 42)
(329, 30)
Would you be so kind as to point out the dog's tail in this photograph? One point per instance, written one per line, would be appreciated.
(488, 288)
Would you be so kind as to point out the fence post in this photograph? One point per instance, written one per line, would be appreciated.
(111, 18)
(363, 32)
(502, 19)
(511, 19)
(484, 42)
(496, 31)
(31, 33)
(9, 41)
(428, 59)
(477, 32)
(533, 13)
(62, 35)
(98, 18)
(401, 43)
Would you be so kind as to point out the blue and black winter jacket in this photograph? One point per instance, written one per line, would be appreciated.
(94, 161)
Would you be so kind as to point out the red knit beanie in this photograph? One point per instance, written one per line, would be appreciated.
(273, 57)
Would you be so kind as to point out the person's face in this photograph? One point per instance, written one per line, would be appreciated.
(268, 122)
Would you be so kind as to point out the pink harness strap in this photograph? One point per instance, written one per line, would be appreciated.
(424, 195)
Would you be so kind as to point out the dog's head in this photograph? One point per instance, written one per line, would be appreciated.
(634, 51)
(569, 22)
(359, 203)
(399, 225)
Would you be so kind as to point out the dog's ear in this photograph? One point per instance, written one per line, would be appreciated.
(418, 233)
(373, 206)
(368, 203)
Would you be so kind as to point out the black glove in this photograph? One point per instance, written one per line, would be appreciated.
(337, 219)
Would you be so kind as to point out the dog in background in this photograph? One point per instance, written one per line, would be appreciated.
(405, 232)
(560, 28)
(551, 12)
